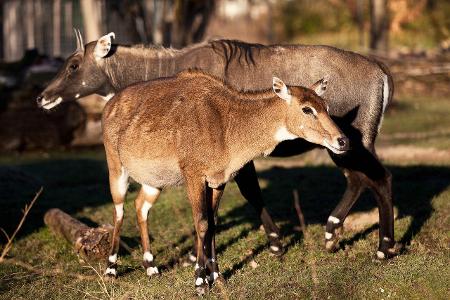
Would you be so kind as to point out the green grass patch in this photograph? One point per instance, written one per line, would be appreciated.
(418, 121)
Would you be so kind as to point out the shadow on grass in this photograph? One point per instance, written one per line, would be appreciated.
(320, 189)
(74, 184)
(69, 185)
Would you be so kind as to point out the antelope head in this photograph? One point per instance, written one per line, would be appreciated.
(80, 75)
(307, 115)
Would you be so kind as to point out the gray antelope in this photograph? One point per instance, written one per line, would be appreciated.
(360, 90)
(193, 129)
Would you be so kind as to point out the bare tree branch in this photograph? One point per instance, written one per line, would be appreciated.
(25, 213)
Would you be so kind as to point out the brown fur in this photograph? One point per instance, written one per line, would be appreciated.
(159, 130)
(193, 128)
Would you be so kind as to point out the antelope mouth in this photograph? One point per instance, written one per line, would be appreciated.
(334, 149)
(50, 104)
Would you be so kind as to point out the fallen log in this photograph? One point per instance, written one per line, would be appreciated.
(90, 244)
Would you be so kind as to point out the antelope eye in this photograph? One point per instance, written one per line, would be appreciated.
(73, 67)
(307, 110)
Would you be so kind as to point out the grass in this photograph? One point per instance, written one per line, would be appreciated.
(419, 121)
(76, 181)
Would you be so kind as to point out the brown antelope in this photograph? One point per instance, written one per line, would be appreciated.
(361, 88)
(193, 129)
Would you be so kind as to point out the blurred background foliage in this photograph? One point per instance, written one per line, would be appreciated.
(411, 36)
(422, 24)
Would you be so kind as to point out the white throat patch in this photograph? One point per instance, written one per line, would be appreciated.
(108, 97)
(282, 134)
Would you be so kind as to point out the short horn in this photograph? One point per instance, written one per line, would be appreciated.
(80, 45)
(81, 40)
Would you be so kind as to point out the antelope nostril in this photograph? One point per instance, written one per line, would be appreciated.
(342, 141)
(39, 99)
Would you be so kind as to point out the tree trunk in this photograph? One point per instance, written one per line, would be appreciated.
(378, 25)
(359, 13)
(29, 24)
(12, 31)
(89, 243)
(56, 28)
(149, 10)
(92, 19)
(2, 39)
(68, 27)
(39, 26)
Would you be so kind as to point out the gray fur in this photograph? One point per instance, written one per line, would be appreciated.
(354, 80)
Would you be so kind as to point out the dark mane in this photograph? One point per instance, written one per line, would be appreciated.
(239, 51)
(261, 94)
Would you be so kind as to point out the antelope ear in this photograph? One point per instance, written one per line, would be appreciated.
(281, 89)
(320, 86)
(103, 45)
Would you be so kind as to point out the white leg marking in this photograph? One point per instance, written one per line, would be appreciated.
(110, 271)
(274, 248)
(119, 211)
(213, 276)
(77, 96)
(144, 209)
(192, 258)
(152, 270)
(148, 256)
(149, 190)
(334, 220)
(380, 255)
(197, 266)
(328, 235)
(112, 258)
(122, 182)
(273, 234)
(199, 281)
(386, 239)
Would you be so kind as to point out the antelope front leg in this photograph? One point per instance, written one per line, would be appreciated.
(197, 197)
(213, 198)
(118, 181)
(144, 201)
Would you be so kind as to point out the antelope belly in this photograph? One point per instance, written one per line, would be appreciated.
(157, 173)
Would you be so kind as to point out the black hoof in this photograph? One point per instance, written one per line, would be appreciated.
(201, 281)
(388, 249)
(276, 248)
(332, 239)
